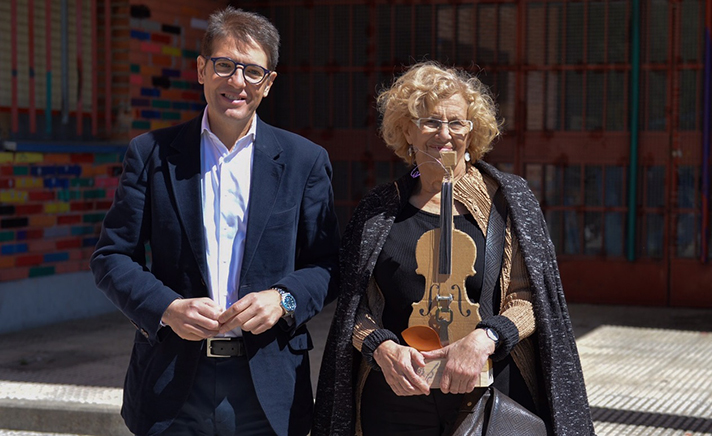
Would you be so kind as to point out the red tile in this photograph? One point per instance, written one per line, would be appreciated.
(28, 209)
(69, 219)
(41, 195)
(7, 275)
(65, 244)
(82, 157)
(29, 260)
(161, 39)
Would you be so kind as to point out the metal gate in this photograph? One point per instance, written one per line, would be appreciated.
(614, 149)
(604, 107)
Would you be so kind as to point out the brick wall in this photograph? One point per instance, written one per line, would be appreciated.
(164, 42)
(51, 209)
(53, 201)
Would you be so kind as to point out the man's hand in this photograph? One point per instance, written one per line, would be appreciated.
(256, 312)
(193, 319)
(465, 359)
(399, 365)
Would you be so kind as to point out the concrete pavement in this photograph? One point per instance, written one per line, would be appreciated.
(648, 372)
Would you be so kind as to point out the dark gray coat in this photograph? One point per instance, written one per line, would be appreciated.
(562, 378)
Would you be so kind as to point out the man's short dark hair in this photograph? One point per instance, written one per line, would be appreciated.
(244, 28)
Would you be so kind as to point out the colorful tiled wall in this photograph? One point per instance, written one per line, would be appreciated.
(52, 204)
(165, 42)
(51, 209)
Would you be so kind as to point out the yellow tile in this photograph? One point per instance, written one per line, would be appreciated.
(7, 157)
(28, 182)
(172, 51)
(29, 157)
(56, 207)
(13, 196)
(160, 124)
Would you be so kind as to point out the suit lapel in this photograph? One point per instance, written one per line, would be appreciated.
(184, 169)
(267, 171)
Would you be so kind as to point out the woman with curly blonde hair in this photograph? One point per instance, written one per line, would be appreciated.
(419, 90)
(370, 381)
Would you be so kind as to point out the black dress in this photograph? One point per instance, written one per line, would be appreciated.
(383, 412)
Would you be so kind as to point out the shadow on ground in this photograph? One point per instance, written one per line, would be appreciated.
(95, 351)
(587, 317)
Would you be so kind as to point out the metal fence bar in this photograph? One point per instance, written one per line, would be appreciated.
(48, 65)
(15, 126)
(705, 164)
(64, 51)
(634, 126)
(31, 63)
(80, 68)
(107, 67)
(95, 72)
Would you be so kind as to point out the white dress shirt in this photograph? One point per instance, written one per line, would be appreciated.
(225, 185)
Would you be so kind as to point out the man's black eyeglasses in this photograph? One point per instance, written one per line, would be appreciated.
(226, 67)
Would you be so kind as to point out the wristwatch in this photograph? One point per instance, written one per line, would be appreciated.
(492, 335)
(288, 303)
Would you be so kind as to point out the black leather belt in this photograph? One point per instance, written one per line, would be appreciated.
(225, 347)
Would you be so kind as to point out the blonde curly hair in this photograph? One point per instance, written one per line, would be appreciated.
(415, 95)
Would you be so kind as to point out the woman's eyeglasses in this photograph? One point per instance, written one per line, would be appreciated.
(432, 125)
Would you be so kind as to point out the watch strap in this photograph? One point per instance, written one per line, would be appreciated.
(287, 310)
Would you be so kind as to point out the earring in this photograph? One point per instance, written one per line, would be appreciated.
(467, 156)
(414, 173)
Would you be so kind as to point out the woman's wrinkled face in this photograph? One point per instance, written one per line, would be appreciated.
(429, 139)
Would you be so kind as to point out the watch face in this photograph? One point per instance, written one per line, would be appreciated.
(288, 302)
(492, 334)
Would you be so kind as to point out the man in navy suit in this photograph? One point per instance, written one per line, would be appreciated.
(243, 239)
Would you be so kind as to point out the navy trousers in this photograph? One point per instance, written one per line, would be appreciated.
(223, 402)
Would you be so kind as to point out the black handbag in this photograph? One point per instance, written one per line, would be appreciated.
(489, 412)
(495, 414)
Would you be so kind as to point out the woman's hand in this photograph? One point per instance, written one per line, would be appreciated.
(399, 365)
(465, 359)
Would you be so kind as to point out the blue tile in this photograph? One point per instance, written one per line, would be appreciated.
(56, 257)
(150, 92)
(143, 36)
(14, 249)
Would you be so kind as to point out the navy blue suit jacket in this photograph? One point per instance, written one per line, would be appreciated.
(291, 241)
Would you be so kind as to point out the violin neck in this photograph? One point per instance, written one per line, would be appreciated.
(448, 159)
(445, 260)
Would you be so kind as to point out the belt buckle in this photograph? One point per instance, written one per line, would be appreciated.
(210, 346)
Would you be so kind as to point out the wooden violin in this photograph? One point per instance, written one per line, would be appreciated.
(445, 307)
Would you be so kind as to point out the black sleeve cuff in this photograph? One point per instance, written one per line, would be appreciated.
(508, 335)
(372, 341)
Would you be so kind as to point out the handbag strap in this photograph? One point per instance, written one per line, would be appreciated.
(494, 249)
